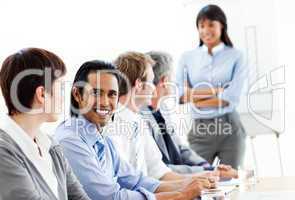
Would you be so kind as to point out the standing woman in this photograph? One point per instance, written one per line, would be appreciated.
(211, 78)
(32, 166)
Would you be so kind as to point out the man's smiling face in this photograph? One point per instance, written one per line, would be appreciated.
(100, 97)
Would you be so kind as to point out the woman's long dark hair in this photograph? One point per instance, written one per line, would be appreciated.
(213, 12)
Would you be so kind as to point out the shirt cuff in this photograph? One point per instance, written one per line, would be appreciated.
(209, 168)
(203, 164)
(150, 184)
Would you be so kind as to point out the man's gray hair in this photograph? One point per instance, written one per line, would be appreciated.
(162, 66)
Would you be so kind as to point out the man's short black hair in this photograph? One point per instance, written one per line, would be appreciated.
(82, 76)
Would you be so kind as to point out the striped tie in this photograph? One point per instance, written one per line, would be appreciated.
(100, 151)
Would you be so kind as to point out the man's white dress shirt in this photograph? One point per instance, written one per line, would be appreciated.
(132, 138)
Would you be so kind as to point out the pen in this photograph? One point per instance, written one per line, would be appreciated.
(215, 163)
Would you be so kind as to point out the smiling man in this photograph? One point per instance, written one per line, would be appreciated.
(93, 156)
(136, 144)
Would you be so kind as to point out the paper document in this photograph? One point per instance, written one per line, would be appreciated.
(219, 191)
(232, 182)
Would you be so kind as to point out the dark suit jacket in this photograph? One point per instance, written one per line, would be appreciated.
(190, 160)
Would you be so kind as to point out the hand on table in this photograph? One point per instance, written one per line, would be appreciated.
(226, 171)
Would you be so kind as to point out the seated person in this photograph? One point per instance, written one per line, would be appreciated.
(135, 143)
(32, 166)
(93, 156)
(162, 121)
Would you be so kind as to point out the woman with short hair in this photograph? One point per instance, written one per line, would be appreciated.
(32, 166)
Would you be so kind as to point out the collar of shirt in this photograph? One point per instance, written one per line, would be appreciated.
(215, 49)
(127, 115)
(88, 131)
(30, 149)
(25, 142)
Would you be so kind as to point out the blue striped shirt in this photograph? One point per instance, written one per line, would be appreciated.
(225, 68)
(97, 165)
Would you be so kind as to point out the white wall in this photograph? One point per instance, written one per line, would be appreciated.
(286, 41)
(96, 29)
